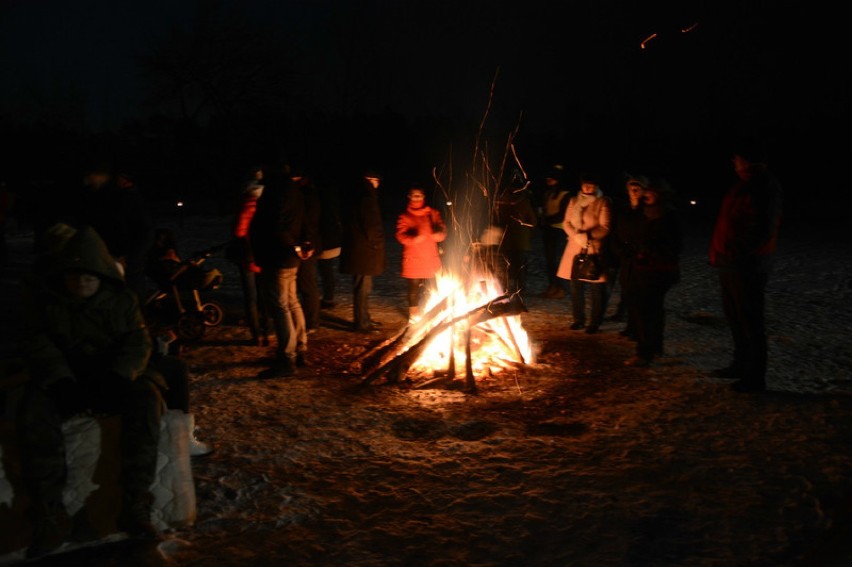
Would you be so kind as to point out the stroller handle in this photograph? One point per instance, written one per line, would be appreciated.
(207, 252)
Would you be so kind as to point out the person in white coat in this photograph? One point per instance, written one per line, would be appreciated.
(587, 224)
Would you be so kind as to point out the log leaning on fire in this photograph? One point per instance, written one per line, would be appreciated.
(391, 345)
(403, 354)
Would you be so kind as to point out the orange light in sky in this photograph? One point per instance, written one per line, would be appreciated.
(647, 39)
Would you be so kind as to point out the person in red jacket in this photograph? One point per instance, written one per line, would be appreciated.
(240, 252)
(742, 249)
(419, 229)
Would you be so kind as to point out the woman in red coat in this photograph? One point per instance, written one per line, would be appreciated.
(419, 229)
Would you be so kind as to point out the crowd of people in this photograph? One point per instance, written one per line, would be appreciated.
(631, 239)
(87, 345)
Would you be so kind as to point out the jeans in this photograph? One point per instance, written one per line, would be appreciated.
(282, 299)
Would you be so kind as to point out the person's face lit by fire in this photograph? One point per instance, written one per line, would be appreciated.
(650, 197)
(416, 198)
(588, 188)
(634, 193)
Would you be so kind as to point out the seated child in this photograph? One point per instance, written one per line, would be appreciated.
(86, 349)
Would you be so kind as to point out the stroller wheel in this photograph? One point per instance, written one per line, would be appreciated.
(212, 313)
(191, 326)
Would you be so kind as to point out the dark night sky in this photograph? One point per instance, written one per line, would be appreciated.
(429, 56)
(561, 64)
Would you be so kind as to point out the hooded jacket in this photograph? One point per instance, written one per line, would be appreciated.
(68, 337)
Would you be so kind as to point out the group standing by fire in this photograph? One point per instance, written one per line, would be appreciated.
(592, 243)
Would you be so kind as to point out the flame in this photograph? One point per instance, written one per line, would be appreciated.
(495, 344)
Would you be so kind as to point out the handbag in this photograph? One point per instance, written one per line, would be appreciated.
(586, 267)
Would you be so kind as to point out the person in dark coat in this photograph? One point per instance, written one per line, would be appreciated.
(86, 347)
(742, 249)
(331, 235)
(111, 203)
(363, 252)
(516, 216)
(276, 238)
(655, 268)
(554, 201)
(624, 235)
(307, 280)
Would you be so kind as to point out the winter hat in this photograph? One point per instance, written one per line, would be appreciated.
(590, 177)
(555, 172)
(640, 180)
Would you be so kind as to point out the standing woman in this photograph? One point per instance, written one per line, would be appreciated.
(586, 223)
(419, 229)
(626, 222)
(655, 270)
(240, 252)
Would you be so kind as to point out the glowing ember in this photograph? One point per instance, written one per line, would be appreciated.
(495, 344)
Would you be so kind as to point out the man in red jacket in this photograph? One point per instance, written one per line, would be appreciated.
(742, 249)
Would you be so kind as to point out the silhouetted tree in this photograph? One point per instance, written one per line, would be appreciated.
(223, 66)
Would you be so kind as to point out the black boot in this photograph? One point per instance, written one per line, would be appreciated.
(135, 519)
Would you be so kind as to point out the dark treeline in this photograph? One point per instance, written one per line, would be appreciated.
(182, 160)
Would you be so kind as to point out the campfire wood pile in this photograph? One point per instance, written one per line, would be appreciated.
(393, 358)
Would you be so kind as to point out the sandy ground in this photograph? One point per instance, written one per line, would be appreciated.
(572, 460)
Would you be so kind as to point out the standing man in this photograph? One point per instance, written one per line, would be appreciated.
(307, 281)
(516, 215)
(742, 249)
(276, 238)
(363, 251)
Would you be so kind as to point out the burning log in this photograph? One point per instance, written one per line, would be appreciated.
(399, 356)
(397, 342)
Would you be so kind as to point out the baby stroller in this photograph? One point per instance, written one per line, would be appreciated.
(177, 302)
